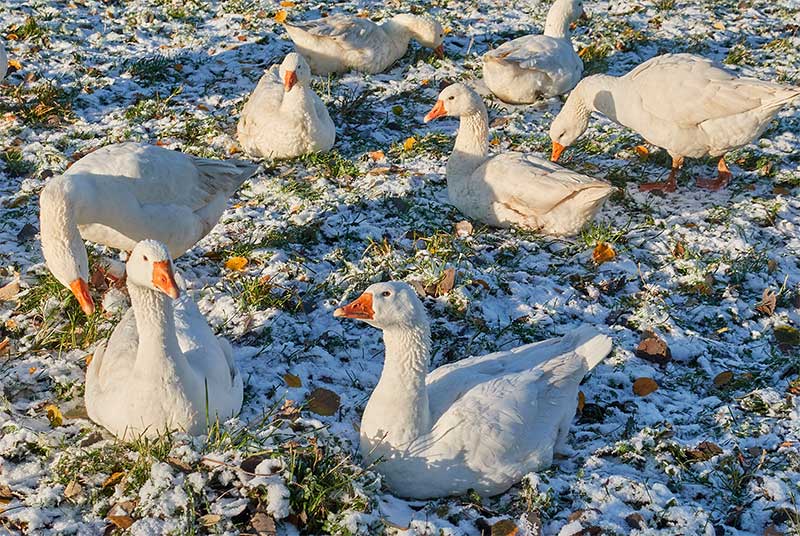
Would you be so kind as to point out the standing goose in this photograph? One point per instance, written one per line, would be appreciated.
(481, 423)
(511, 188)
(688, 105)
(162, 368)
(535, 66)
(283, 117)
(339, 43)
(123, 193)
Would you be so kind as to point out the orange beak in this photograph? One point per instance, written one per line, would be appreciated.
(80, 289)
(437, 111)
(557, 150)
(439, 51)
(289, 80)
(164, 279)
(361, 308)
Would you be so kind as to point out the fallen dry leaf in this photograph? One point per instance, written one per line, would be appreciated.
(5, 494)
(209, 520)
(121, 522)
(409, 143)
(769, 300)
(581, 401)
(444, 285)
(54, 415)
(642, 151)
(463, 228)
(723, 378)
(635, 521)
(719, 25)
(292, 380)
(323, 402)
(263, 524)
(377, 155)
(113, 479)
(644, 386)
(603, 252)
(506, 527)
(236, 264)
(679, 251)
(73, 489)
(9, 291)
(654, 349)
(287, 3)
(705, 451)
(15, 64)
(281, 15)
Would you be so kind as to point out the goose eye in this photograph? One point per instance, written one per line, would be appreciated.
(386, 294)
(144, 257)
(451, 97)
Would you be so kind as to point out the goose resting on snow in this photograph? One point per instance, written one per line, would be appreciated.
(686, 104)
(511, 188)
(339, 43)
(283, 117)
(127, 192)
(162, 368)
(534, 66)
(481, 423)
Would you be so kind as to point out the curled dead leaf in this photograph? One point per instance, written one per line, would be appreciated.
(377, 155)
(644, 386)
(463, 228)
(642, 151)
(113, 479)
(723, 378)
(679, 251)
(323, 402)
(121, 522)
(209, 520)
(505, 527)
(73, 489)
(9, 291)
(654, 349)
(280, 16)
(603, 252)
(769, 300)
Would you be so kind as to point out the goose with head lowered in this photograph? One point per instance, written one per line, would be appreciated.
(686, 104)
(127, 192)
(162, 368)
(536, 66)
(511, 188)
(339, 43)
(284, 118)
(481, 423)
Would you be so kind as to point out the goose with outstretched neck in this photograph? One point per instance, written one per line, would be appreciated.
(511, 188)
(284, 118)
(481, 423)
(127, 192)
(162, 368)
(689, 105)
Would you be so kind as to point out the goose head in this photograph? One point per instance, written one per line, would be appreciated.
(294, 70)
(425, 31)
(456, 100)
(150, 266)
(569, 124)
(393, 304)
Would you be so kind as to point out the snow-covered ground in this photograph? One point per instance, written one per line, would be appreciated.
(707, 453)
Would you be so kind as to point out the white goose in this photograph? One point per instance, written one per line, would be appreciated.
(339, 43)
(162, 368)
(535, 66)
(511, 188)
(283, 117)
(686, 104)
(482, 422)
(121, 194)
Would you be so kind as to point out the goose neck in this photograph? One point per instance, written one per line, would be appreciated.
(399, 30)
(599, 93)
(558, 20)
(62, 246)
(471, 147)
(155, 325)
(296, 100)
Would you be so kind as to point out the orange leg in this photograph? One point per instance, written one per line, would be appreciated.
(724, 176)
(669, 185)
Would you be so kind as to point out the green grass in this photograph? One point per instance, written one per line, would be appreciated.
(15, 163)
(331, 165)
(739, 54)
(30, 30)
(153, 108)
(151, 69)
(45, 103)
(258, 293)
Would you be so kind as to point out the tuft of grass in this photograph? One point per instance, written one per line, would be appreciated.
(151, 69)
(30, 30)
(332, 165)
(259, 293)
(155, 108)
(664, 5)
(46, 103)
(15, 163)
(739, 54)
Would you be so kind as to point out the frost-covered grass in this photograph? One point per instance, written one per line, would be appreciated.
(713, 451)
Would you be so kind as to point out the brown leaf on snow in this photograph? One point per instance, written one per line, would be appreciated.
(292, 381)
(768, 302)
(54, 415)
(704, 451)
(5, 494)
(679, 251)
(506, 527)
(635, 521)
(463, 228)
(9, 291)
(644, 386)
(603, 252)
(723, 378)
(654, 349)
(113, 479)
(121, 522)
(444, 285)
(209, 520)
(263, 524)
(323, 402)
(581, 401)
(73, 489)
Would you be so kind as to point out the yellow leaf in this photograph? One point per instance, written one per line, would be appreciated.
(54, 415)
(719, 25)
(12, 37)
(363, 14)
(15, 64)
(447, 30)
(88, 359)
(409, 143)
(642, 151)
(113, 479)
(292, 380)
(286, 3)
(280, 16)
(236, 264)
(377, 155)
(603, 252)
(495, 141)
(424, 82)
(32, 370)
